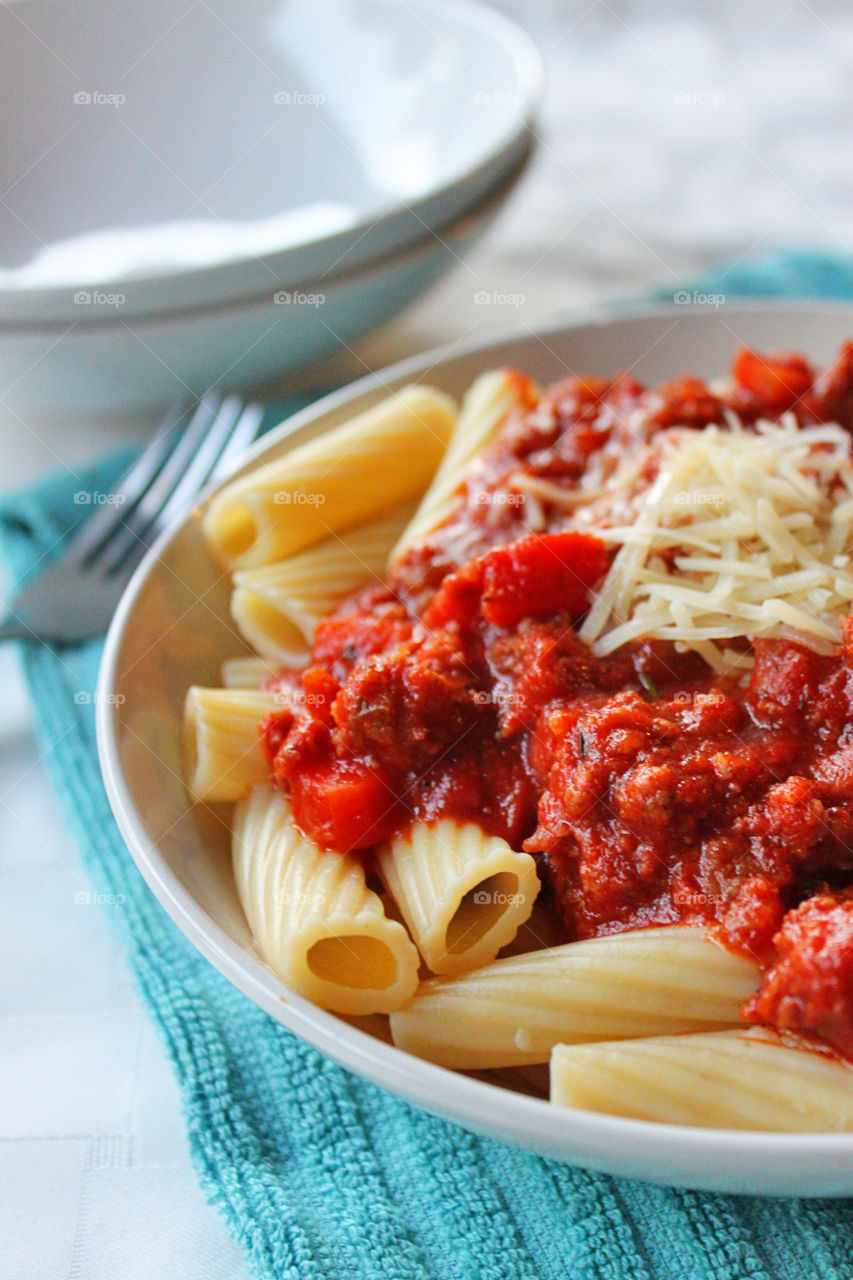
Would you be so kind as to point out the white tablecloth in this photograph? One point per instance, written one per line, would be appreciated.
(672, 136)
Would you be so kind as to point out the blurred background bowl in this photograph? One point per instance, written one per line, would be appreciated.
(243, 197)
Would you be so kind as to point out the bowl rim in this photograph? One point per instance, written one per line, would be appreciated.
(585, 1138)
(480, 210)
(388, 227)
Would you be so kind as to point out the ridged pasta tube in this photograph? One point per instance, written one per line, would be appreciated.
(277, 606)
(221, 742)
(512, 1012)
(462, 893)
(247, 672)
(487, 402)
(745, 1079)
(379, 460)
(318, 926)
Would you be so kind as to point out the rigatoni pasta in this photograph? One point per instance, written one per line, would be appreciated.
(720, 1080)
(487, 402)
(221, 743)
(462, 893)
(248, 672)
(317, 924)
(365, 468)
(277, 606)
(514, 1011)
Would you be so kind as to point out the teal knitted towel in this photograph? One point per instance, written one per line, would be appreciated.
(323, 1177)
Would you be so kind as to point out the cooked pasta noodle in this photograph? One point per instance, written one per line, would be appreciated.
(723, 1080)
(221, 742)
(487, 402)
(367, 467)
(463, 894)
(318, 926)
(248, 672)
(278, 606)
(513, 1011)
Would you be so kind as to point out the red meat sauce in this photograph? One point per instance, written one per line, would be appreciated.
(650, 790)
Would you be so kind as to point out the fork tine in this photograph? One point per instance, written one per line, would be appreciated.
(134, 522)
(182, 477)
(232, 425)
(244, 433)
(209, 466)
(130, 487)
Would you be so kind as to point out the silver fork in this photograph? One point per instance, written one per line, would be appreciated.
(75, 598)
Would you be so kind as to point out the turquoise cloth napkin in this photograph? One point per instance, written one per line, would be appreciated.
(321, 1176)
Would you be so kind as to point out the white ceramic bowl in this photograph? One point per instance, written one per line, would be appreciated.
(164, 162)
(142, 365)
(172, 629)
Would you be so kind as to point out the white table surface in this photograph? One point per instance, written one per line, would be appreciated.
(672, 137)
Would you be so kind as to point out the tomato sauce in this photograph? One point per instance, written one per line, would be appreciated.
(650, 790)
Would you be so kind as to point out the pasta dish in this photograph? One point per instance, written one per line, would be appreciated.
(545, 747)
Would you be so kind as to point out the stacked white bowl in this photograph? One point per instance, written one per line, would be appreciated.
(216, 194)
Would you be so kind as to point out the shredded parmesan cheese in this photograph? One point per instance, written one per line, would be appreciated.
(742, 533)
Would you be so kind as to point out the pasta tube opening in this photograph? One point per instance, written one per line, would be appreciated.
(358, 963)
(268, 629)
(365, 468)
(480, 911)
(367, 962)
(462, 893)
(277, 606)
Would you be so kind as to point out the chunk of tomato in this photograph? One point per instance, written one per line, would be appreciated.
(777, 380)
(343, 805)
(540, 576)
